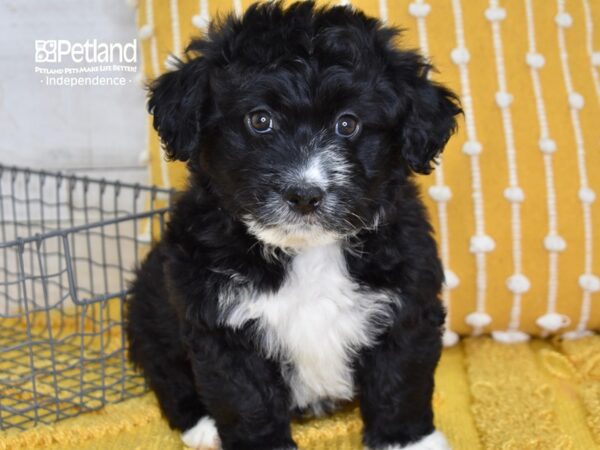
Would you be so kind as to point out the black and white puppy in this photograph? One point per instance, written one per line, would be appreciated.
(298, 271)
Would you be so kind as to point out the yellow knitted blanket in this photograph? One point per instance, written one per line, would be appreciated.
(538, 395)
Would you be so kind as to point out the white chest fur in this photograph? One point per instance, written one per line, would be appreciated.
(315, 323)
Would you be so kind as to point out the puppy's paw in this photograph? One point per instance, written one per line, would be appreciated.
(433, 441)
(203, 435)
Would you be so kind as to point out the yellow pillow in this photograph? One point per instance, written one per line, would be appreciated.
(513, 202)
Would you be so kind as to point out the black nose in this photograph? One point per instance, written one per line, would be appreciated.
(304, 199)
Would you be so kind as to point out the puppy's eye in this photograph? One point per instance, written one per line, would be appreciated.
(260, 121)
(347, 126)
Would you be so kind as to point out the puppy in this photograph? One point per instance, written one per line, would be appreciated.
(298, 271)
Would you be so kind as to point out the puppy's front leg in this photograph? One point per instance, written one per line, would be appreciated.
(396, 388)
(243, 392)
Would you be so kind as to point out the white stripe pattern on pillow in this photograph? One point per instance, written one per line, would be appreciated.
(439, 192)
(588, 281)
(383, 11)
(237, 7)
(480, 243)
(175, 28)
(594, 56)
(553, 242)
(202, 19)
(517, 283)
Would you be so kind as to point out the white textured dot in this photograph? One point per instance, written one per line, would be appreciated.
(449, 338)
(576, 334)
(589, 282)
(471, 148)
(563, 20)
(503, 99)
(510, 336)
(495, 14)
(586, 195)
(416, 9)
(478, 319)
(514, 194)
(440, 193)
(518, 283)
(145, 32)
(535, 60)
(451, 279)
(576, 100)
(460, 55)
(554, 243)
(171, 62)
(481, 244)
(547, 145)
(552, 321)
(596, 59)
(200, 22)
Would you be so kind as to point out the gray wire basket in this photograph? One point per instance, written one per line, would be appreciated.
(68, 248)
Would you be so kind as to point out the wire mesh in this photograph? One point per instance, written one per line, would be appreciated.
(69, 246)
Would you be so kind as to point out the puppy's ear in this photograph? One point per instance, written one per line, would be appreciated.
(428, 119)
(176, 101)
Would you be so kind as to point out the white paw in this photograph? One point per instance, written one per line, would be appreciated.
(434, 441)
(203, 435)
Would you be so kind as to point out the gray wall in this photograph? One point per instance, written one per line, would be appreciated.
(89, 129)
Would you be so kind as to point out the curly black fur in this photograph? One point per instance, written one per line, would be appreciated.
(306, 66)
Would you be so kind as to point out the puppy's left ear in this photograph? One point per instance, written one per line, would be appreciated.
(428, 120)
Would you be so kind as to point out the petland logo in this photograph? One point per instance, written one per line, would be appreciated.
(90, 52)
(91, 63)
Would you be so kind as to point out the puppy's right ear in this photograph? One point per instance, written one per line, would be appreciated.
(176, 102)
